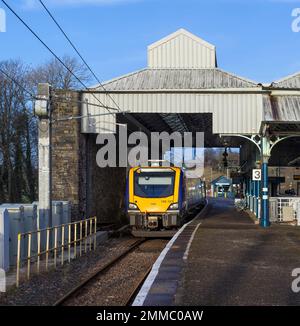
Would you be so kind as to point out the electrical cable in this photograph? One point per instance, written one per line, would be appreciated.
(78, 53)
(51, 51)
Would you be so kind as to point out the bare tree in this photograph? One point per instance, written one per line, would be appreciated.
(18, 127)
(54, 73)
(17, 135)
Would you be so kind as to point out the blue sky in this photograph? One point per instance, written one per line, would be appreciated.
(254, 38)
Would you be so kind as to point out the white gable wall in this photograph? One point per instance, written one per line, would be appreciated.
(181, 50)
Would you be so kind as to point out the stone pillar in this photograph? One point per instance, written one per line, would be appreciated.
(68, 153)
(92, 191)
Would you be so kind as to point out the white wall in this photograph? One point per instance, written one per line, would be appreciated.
(4, 239)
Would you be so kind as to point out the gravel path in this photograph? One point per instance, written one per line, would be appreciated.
(47, 288)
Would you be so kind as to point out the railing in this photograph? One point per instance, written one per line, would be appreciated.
(53, 242)
(284, 202)
(254, 204)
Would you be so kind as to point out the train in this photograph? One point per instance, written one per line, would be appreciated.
(159, 199)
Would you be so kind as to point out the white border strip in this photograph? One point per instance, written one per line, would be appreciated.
(141, 296)
(186, 253)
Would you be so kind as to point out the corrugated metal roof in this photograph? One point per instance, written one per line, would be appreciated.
(292, 81)
(281, 108)
(182, 83)
(175, 122)
(177, 79)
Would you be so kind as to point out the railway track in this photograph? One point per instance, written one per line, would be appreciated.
(95, 289)
(136, 289)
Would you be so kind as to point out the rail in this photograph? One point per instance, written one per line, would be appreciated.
(53, 242)
(100, 271)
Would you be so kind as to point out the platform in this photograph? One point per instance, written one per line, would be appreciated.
(223, 258)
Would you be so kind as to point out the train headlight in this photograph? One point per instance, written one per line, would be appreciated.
(132, 206)
(174, 206)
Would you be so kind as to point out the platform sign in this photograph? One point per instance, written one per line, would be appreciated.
(256, 175)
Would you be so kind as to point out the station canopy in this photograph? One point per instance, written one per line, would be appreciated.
(183, 89)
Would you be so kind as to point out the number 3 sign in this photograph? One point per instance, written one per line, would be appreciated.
(256, 175)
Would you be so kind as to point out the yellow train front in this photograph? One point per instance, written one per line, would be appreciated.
(159, 198)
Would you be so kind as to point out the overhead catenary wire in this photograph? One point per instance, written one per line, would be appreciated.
(56, 56)
(62, 100)
(51, 51)
(78, 53)
(33, 97)
(57, 99)
(81, 117)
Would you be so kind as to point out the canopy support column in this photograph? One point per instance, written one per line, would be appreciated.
(265, 153)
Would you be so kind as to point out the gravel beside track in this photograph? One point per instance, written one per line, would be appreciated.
(47, 288)
(115, 286)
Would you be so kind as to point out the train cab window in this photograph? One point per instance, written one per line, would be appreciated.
(154, 184)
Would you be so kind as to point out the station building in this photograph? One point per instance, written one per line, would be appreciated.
(182, 89)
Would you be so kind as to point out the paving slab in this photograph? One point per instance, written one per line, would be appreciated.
(231, 261)
(234, 262)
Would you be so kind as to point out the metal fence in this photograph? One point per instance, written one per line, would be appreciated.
(277, 207)
(55, 244)
(254, 205)
(279, 203)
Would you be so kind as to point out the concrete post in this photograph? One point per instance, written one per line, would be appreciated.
(298, 214)
(44, 149)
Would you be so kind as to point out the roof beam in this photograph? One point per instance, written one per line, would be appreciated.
(253, 90)
(130, 118)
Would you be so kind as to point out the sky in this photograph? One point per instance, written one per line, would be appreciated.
(254, 39)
